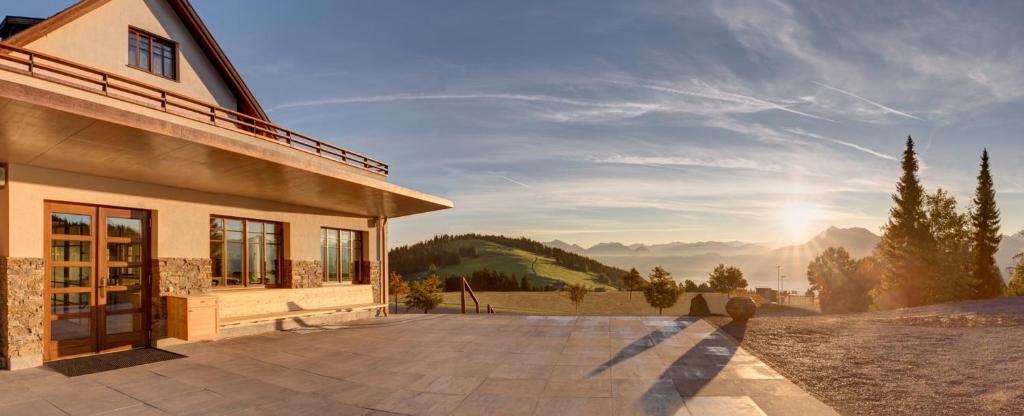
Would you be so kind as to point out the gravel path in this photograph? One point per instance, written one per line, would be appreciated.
(963, 358)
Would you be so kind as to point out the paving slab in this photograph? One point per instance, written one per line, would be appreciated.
(437, 365)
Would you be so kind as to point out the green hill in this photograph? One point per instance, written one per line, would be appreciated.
(470, 254)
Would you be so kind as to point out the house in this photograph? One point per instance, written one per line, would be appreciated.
(146, 198)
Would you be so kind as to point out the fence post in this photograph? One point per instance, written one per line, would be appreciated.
(463, 295)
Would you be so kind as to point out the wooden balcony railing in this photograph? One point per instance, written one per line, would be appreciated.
(62, 71)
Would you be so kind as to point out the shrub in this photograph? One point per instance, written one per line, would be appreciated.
(425, 294)
(576, 293)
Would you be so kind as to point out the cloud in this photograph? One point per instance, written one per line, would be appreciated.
(843, 143)
(708, 92)
(621, 106)
(516, 182)
(883, 107)
(709, 162)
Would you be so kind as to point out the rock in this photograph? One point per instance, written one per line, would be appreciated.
(699, 306)
(741, 309)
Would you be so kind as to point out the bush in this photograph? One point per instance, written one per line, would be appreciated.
(576, 293)
(425, 294)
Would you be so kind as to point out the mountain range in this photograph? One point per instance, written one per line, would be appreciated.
(759, 262)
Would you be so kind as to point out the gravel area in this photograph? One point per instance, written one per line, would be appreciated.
(962, 358)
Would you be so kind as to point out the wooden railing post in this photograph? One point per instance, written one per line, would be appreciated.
(31, 62)
(463, 295)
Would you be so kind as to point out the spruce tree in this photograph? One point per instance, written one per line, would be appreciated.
(988, 281)
(907, 245)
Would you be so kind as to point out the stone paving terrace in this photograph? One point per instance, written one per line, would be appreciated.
(436, 365)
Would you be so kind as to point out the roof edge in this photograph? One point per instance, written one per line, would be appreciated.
(247, 103)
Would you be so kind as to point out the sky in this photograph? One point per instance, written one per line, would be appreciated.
(643, 121)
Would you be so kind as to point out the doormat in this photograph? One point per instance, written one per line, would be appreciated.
(99, 363)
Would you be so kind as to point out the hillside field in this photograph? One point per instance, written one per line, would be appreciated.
(539, 270)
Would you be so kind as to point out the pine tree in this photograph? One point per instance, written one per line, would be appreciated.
(907, 245)
(988, 281)
(632, 281)
(662, 291)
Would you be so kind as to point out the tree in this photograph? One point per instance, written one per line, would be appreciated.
(1016, 285)
(398, 287)
(833, 274)
(725, 279)
(704, 288)
(951, 279)
(632, 281)
(424, 294)
(988, 281)
(524, 285)
(690, 286)
(809, 292)
(661, 291)
(577, 292)
(907, 245)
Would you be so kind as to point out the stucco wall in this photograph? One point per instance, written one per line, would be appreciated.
(181, 217)
(100, 39)
(5, 219)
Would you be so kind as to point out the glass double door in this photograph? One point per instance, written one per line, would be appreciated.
(96, 279)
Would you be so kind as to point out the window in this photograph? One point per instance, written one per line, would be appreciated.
(152, 54)
(341, 252)
(245, 252)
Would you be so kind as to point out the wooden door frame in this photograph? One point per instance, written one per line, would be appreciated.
(51, 350)
(103, 264)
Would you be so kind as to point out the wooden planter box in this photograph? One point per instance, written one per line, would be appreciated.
(192, 318)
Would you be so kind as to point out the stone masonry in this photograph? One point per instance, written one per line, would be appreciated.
(21, 312)
(373, 269)
(177, 276)
(303, 274)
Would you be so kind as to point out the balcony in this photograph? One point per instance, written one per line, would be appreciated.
(59, 115)
(71, 74)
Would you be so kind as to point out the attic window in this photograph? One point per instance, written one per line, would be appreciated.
(152, 54)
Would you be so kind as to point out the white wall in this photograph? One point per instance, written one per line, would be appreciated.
(100, 39)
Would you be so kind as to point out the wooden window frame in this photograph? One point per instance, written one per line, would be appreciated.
(358, 272)
(152, 38)
(245, 253)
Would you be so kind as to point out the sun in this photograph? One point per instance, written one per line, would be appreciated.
(795, 219)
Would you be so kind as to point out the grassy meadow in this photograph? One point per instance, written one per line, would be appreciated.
(539, 270)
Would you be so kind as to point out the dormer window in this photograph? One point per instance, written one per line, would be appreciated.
(152, 54)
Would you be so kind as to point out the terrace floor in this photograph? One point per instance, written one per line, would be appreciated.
(436, 364)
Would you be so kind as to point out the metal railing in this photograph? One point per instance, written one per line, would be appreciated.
(62, 71)
(467, 288)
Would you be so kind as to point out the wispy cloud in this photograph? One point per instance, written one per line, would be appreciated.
(516, 182)
(885, 108)
(842, 143)
(706, 91)
(425, 97)
(708, 162)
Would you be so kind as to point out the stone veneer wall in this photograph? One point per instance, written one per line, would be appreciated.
(375, 281)
(177, 276)
(301, 274)
(21, 312)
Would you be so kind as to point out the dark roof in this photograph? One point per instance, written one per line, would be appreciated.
(14, 24)
(247, 103)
